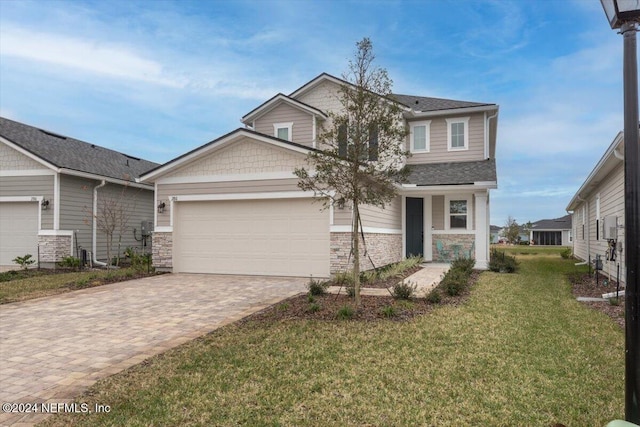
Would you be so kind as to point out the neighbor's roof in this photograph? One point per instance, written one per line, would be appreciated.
(563, 223)
(69, 153)
(453, 173)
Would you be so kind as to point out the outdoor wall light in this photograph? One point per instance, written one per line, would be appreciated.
(161, 207)
(44, 204)
(620, 11)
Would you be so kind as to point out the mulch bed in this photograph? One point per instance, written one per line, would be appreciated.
(584, 285)
(372, 308)
(388, 283)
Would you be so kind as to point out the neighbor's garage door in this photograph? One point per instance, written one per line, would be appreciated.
(18, 231)
(281, 237)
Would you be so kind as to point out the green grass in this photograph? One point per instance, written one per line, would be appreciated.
(530, 250)
(519, 351)
(41, 284)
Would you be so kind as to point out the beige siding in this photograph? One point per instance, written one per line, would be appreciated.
(11, 159)
(325, 97)
(76, 200)
(439, 152)
(437, 212)
(32, 186)
(389, 217)
(242, 157)
(302, 131)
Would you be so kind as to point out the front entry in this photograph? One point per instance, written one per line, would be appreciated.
(415, 226)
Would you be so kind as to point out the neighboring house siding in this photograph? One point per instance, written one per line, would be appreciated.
(11, 159)
(387, 218)
(76, 199)
(33, 186)
(246, 157)
(438, 143)
(302, 123)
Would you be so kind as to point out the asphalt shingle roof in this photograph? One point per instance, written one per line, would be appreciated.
(424, 103)
(453, 173)
(563, 223)
(70, 153)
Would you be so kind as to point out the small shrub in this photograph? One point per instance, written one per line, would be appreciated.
(311, 298)
(70, 262)
(317, 287)
(403, 290)
(614, 301)
(351, 291)
(502, 263)
(368, 276)
(389, 311)
(314, 308)
(343, 278)
(434, 297)
(345, 312)
(283, 306)
(455, 282)
(24, 261)
(464, 264)
(566, 253)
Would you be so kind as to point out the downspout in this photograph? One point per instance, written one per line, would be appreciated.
(486, 135)
(94, 246)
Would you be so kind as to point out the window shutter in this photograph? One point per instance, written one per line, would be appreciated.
(373, 143)
(342, 141)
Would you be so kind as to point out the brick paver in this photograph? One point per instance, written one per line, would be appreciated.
(53, 348)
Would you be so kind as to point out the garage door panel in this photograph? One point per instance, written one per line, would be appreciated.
(288, 237)
(18, 230)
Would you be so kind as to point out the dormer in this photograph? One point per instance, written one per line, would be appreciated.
(286, 118)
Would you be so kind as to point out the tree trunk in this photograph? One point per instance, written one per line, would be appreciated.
(356, 252)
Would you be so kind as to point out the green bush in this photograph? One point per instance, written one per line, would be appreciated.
(434, 297)
(403, 290)
(465, 264)
(389, 311)
(502, 263)
(24, 261)
(317, 287)
(345, 312)
(70, 262)
(343, 278)
(566, 253)
(314, 307)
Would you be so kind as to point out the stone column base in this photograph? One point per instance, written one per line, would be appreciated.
(162, 251)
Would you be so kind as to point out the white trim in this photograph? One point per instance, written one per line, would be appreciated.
(163, 229)
(56, 201)
(105, 178)
(427, 242)
(277, 100)
(447, 211)
(314, 130)
(288, 126)
(55, 233)
(331, 212)
(378, 230)
(155, 205)
(411, 189)
(454, 231)
(427, 135)
(485, 135)
(28, 154)
(450, 111)
(243, 196)
(226, 178)
(27, 199)
(452, 121)
(403, 222)
(27, 172)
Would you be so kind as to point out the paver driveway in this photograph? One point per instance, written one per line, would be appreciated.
(53, 348)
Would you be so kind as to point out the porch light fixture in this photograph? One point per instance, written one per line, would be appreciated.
(625, 15)
(161, 207)
(44, 204)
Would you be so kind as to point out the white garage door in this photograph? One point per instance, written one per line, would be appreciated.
(18, 231)
(282, 237)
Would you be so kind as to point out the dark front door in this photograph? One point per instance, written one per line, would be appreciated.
(415, 226)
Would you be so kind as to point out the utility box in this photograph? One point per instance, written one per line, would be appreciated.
(146, 228)
(610, 231)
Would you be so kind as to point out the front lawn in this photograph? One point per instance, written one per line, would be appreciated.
(519, 351)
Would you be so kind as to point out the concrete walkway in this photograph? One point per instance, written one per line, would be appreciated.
(426, 279)
(52, 349)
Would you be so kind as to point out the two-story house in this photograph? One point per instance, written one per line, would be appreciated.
(233, 205)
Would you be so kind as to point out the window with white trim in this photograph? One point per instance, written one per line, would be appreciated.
(458, 213)
(283, 130)
(458, 133)
(420, 135)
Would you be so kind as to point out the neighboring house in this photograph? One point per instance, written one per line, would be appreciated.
(51, 189)
(501, 232)
(495, 233)
(597, 212)
(233, 205)
(551, 232)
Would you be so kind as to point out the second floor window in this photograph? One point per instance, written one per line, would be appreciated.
(283, 130)
(458, 133)
(420, 135)
(370, 152)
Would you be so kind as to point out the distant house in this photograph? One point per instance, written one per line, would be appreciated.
(551, 232)
(52, 188)
(599, 202)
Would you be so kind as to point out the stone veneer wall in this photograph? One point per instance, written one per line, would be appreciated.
(162, 246)
(382, 248)
(53, 249)
(465, 242)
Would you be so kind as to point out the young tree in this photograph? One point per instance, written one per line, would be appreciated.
(112, 218)
(512, 230)
(362, 152)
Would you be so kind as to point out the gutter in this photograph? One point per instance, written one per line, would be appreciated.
(94, 244)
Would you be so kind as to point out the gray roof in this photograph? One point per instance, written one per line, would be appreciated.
(65, 152)
(423, 103)
(453, 173)
(563, 223)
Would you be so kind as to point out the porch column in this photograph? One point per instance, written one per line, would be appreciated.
(482, 230)
(427, 241)
(403, 215)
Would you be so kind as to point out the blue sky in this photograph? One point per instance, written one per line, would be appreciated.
(155, 79)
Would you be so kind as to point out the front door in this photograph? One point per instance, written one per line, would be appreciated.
(415, 226)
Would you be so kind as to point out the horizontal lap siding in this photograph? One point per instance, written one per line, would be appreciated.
(302, 132)
(31, 186)
(437, 212)
(439, 152)
(389, 217)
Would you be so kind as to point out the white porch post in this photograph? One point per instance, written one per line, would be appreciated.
(403, 214)
(482, 230)
(427, 242)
